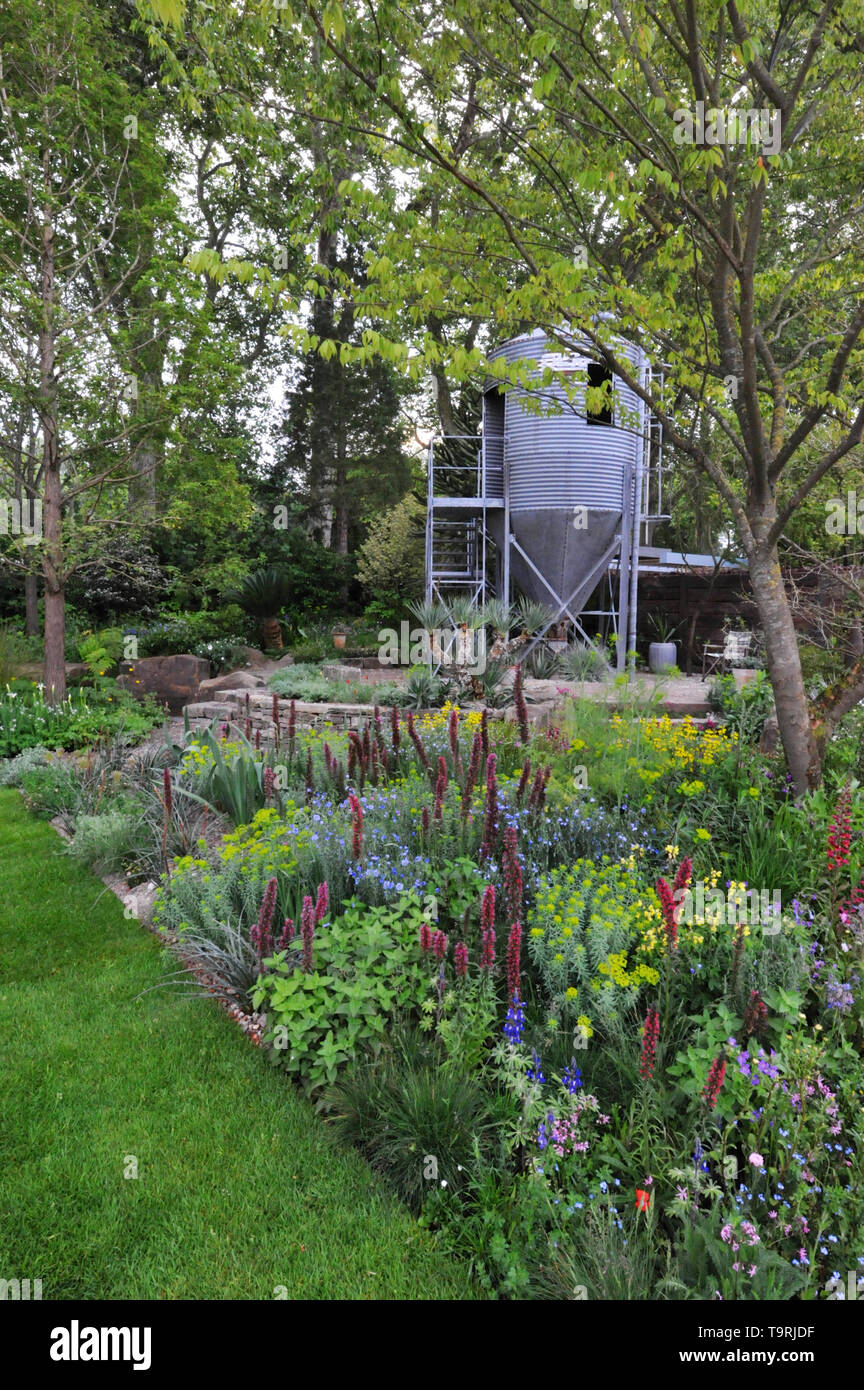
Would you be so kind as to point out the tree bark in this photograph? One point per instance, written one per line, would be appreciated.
(55, 596)
(31, 605)
(784, 668)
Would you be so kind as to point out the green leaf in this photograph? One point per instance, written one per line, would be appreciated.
(333, 20)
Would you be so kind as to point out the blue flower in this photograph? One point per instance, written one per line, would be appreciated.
(514, 1024)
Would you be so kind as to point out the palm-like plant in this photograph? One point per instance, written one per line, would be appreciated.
(464, 613)
(431, 614)
(499, 615)
(264, 593)
(534, 616)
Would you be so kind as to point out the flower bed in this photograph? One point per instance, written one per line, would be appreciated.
(549, 1012)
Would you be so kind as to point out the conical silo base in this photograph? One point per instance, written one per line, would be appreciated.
(566, 556)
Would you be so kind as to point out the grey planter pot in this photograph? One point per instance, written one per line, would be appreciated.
(661, 656)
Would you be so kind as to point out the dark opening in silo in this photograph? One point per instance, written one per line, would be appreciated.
(599, 375)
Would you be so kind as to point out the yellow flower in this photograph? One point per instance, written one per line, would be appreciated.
(702, 834)
(752, 791)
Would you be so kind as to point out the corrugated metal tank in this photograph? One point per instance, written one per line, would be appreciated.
(557, 462)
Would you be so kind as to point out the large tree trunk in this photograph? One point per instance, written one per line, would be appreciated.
(55, 596)
(142, 489)
(31, 605)
(784, 668)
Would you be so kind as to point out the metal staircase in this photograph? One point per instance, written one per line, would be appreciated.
(460, 552)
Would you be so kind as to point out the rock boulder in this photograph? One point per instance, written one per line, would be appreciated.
(173, 680)
(231, 680)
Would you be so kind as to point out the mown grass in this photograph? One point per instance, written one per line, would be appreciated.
(240, 1187)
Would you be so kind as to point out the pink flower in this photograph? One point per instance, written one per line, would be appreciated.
(726, 1233)
(757, 1160)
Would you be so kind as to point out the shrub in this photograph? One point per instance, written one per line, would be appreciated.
(367, 967)
(125, 578)
(105, 843)
(579, 935)
(85, 716)
(391, 560)
(744, 708)
(50, 789)
(223, 653)
(13, 769)
(183, 632)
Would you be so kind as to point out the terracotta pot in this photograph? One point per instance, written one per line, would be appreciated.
(338, 639)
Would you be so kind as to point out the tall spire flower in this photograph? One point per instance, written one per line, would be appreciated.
(714, 1082)
(490, 824)
(487, 928)
(650, 1034)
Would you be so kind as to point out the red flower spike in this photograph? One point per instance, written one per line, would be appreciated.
(650, 1034)
(714, 1082)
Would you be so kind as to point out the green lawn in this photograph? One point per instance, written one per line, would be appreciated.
(240, 1188)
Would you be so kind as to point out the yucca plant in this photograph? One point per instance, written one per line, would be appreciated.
(431, 614)
(499, 615)
(463, 612)
(532, 616)
(264, 594)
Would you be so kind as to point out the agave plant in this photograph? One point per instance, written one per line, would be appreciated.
(532, 617)
(424, 690)
(264, 594)
(490, 685)
(542, 663)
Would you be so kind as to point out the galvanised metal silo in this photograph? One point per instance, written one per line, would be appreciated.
(571, 483)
